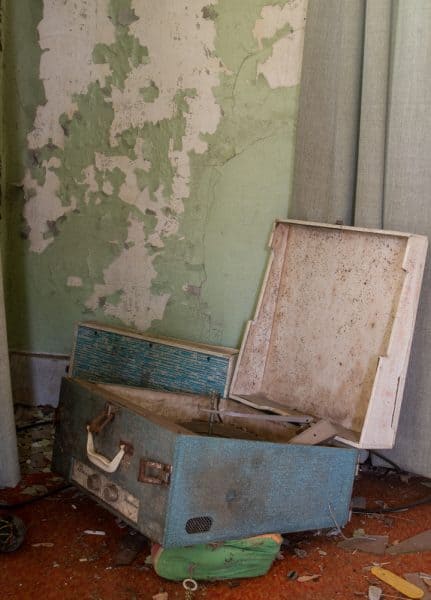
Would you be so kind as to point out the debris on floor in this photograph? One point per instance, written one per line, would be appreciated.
(417, 543)
(43, 545)
(83, 564)
(305, 578)
(419, 581)
(373, 544)
(35, 429)
(358, 502)
(89, 560)
(398, 583)
(130, 546)
(12, 533)
(374, 592)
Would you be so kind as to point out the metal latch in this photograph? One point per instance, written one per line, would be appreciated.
(154, 472)
(99, 422)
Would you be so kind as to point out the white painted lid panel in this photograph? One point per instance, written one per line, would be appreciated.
(335, 302)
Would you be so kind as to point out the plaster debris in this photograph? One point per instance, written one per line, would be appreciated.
(35, 490)
(418, 543)
(374, 592)
(418, 580)
(305, 578)
(375, 544)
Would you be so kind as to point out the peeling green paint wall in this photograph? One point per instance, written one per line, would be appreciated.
(149, 148)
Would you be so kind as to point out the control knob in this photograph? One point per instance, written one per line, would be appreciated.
(94, 482)
(110, 493)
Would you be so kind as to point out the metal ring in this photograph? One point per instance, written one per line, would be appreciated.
(190, 585)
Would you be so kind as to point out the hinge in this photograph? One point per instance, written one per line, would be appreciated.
(100, 422)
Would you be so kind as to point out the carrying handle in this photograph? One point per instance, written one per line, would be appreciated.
(109, 466)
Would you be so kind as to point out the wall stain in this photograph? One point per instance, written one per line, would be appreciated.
(210, 12)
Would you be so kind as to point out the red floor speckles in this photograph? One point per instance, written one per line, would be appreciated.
(80, 566)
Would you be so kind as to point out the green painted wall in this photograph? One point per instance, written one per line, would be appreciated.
(149, 149)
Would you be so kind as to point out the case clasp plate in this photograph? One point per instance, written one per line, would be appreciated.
(153, 472)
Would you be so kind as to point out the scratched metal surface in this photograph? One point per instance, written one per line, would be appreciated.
(111, 357)
(245, 487)
(248, 488)
(77, 407)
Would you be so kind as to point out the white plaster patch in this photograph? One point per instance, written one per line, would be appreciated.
(283, 67)
(43, 206)
(108, 188)
(68, 33)
(131, 274)
(180, 44)
(90, 181)
(167, 221)
(73, 281)
(181, 54)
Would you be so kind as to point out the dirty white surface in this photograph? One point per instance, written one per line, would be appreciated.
(68, 33)
(332, 332)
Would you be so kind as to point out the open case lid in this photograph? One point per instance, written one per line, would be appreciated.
(121, 356)
(333, 327)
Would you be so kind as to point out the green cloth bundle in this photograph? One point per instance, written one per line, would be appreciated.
(250, 557)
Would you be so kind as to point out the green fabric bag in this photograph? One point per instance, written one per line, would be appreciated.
(251, 557)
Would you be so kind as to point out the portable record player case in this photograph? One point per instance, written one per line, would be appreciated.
(329, 344)
(156, 460)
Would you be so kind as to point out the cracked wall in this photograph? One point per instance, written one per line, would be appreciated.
(149, 148)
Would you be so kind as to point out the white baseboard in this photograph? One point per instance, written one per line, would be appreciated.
(36, 378)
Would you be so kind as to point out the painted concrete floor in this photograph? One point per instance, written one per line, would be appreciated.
(59, 561)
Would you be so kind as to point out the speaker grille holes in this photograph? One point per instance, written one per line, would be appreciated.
(199, 524)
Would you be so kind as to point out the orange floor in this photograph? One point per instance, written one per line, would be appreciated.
(70, 564)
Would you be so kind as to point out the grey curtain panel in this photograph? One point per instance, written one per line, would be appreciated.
(363, 152)
(9, 465)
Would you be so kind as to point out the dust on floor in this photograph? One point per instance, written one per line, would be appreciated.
(59, 560)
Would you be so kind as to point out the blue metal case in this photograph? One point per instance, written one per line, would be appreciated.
(179, 488)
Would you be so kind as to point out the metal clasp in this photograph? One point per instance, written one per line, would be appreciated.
(99, 422)
(153, 472)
